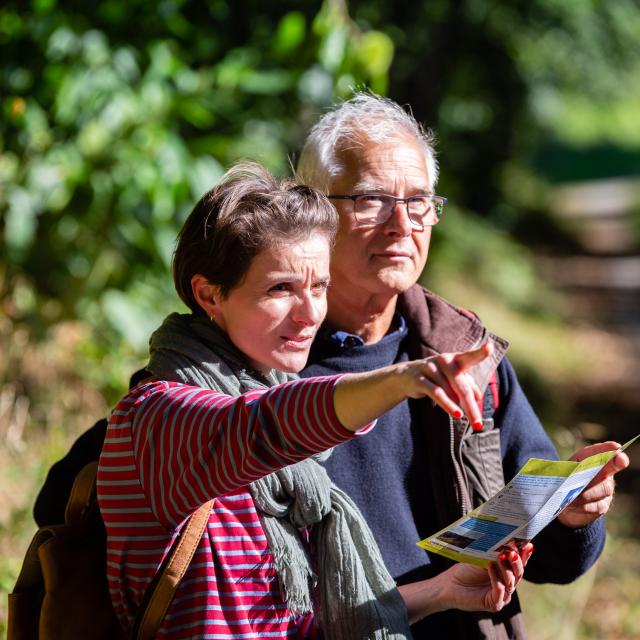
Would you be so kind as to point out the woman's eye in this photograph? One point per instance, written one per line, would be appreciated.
(281, 286)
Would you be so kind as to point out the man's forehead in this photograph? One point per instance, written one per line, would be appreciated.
(370, 166)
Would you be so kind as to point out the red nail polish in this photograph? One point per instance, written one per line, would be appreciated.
(502, 557)
(514, 556)
(457, 414)
(477, 426)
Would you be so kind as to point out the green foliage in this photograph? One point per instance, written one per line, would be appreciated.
(582, 61)
(469, 247)
(118, 116)
(504, 82)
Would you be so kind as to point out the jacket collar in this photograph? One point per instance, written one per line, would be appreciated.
(436, 326)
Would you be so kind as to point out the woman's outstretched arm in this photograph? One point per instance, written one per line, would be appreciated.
(360, 398)
(192, 444)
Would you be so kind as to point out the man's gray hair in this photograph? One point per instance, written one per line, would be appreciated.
(365, 117)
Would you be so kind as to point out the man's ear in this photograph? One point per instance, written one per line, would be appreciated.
(206, 294)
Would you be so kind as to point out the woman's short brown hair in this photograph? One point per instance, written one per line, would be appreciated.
(247, 211)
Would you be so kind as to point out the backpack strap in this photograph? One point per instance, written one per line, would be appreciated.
(162, 589)
(83, 494)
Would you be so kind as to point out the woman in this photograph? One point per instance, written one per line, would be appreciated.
(284, 552)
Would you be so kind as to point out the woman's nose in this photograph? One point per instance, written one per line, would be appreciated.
(309, 310)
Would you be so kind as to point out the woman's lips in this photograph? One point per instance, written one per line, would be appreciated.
(298, 342)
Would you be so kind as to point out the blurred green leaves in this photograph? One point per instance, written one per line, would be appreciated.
(471, 249)
(582, 60)
(118, 117)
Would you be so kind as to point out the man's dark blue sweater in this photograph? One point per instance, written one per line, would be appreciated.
(386, 475)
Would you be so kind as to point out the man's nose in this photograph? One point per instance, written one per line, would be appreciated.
(399, 223)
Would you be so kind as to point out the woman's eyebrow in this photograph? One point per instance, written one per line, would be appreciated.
(285, 276)
(277, 275)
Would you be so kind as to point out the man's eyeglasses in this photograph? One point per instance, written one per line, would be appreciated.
(377, 208)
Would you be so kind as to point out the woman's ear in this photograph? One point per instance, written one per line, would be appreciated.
(206, 294)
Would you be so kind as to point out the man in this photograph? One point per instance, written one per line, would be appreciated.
(419, 471)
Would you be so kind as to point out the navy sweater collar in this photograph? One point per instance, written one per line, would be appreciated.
(345, 340)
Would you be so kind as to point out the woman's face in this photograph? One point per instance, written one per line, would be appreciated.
(274, 314)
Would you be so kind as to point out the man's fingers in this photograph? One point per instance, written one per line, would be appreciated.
(619, 462)
(593, 449)
(596, 508)
(595, 491)
(599, 488)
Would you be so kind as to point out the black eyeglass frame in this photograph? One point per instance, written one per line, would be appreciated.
(418, 225)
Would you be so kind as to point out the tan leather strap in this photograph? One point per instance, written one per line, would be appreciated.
(82, 493)
(171, 574)
(162, 589)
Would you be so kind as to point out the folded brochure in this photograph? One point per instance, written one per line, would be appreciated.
(519, 511)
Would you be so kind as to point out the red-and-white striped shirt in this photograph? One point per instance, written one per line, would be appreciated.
(170, 448)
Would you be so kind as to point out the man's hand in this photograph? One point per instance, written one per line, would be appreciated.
(596, 499)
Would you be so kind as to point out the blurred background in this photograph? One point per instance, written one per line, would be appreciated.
(117, 116)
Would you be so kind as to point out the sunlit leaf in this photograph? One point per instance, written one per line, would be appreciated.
(375, 52)
(128, 317)
(20, 219)
(333, 48)
(205, 172)
(265, 82)
(290, 32)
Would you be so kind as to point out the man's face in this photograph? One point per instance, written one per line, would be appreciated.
(383, 259)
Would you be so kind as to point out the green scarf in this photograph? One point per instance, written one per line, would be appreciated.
(353, 596)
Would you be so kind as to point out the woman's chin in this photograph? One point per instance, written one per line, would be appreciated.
(290, 362)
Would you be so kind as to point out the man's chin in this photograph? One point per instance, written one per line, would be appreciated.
(395, 282)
